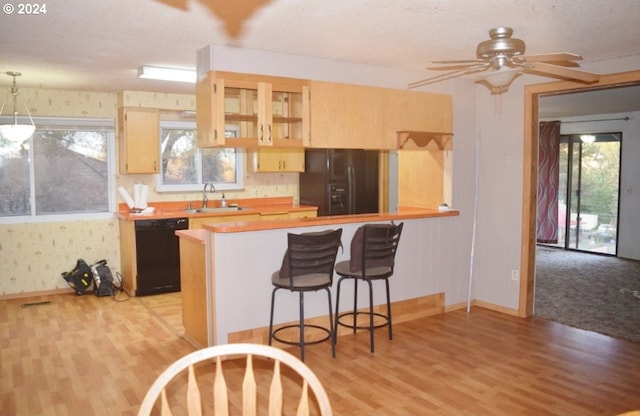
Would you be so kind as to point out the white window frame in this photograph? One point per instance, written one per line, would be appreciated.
(240, 163)
(70, 123)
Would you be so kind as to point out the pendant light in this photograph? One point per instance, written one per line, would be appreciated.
(16, 132)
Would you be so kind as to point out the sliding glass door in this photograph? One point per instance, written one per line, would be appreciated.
(588, 192)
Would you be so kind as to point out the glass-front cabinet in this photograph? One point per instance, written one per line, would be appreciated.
(244, 110)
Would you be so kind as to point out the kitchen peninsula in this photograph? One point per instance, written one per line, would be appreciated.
(236, 260)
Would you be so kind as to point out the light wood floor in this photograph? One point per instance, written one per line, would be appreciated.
(92, 356)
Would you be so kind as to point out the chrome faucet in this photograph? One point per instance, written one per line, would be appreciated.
(204, 193)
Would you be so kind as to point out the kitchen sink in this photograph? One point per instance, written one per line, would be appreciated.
(213, 210)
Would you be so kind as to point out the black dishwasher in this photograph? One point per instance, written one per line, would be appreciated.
(158, 255)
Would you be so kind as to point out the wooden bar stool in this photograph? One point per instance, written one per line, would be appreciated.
(373, 251)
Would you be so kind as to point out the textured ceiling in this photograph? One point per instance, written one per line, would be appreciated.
(98, 45)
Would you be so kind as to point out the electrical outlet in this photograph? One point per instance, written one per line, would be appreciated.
(515, 275)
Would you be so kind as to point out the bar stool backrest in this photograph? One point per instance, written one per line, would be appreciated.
(375, 247)
(311, 253)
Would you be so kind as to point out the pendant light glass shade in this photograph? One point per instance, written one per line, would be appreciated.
(500, 79)
(16, 132)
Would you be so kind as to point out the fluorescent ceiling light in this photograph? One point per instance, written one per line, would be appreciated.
(167, 74)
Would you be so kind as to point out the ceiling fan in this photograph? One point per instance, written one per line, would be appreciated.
(502, 58)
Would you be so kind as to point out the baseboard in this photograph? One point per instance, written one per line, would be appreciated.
(402, 311)
(37, 293)
(455, 307)
(496, 308)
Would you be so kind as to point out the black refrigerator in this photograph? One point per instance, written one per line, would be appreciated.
(340, 181)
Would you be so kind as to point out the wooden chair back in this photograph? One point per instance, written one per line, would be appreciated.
(249, 389)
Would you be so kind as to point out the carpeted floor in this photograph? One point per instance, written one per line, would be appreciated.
(593, 292)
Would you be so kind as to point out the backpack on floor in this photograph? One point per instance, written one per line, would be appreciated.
(79, 278)
(103, 281)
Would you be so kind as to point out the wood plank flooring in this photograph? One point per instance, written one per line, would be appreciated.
(83, 355)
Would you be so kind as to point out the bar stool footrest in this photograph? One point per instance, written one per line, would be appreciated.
(380, 325)
(299, 342)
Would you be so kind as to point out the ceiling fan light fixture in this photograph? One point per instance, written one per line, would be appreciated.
(501, 78)
(167, 74)
(16, 132)
(504, 59)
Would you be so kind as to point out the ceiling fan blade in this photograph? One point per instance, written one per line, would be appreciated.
(449, 75)
(452, 67)
(461, 61)
(552, 57)
(561, 72)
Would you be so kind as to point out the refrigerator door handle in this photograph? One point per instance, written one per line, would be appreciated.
(352, 188)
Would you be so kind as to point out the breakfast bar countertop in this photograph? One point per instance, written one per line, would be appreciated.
(401, 214)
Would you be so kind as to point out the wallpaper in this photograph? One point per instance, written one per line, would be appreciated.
(33, 255)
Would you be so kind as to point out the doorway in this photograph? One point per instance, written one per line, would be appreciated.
(588, 192)
(528, 241)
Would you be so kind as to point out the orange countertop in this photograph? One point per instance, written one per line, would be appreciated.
(197, 235)
(249, 207)
(403, 213)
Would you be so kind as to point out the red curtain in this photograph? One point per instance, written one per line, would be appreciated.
(548, 181)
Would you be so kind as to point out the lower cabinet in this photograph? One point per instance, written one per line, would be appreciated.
(128, 261)
(312, 213)
(274, 215)
(196, 222)
(286, 215)
(194, 288)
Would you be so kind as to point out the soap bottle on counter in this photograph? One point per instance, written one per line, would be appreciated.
(223, 202)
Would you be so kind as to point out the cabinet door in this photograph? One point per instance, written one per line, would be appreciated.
(245, 110)
(290, 115)
(276, 160)
(128, 260)
(271, 216)
(303, 214)
(347, 116)
(139, 147)
(210, 111)
(417, 111)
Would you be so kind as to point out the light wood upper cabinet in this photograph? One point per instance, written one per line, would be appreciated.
(274, 159)
(244, 110)
(361, 117)
(139, 140)
(347, 116)
(417, 111)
